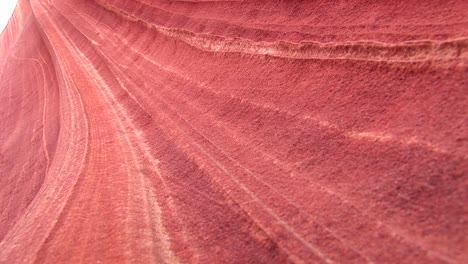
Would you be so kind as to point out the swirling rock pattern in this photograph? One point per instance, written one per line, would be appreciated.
(153, 131)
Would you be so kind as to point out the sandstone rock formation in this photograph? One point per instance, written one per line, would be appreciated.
(154, 131)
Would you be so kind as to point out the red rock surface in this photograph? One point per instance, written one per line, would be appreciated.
(152, 131)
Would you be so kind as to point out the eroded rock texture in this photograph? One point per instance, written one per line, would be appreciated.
(234, 132)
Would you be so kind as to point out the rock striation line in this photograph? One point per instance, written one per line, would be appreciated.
(155, 131)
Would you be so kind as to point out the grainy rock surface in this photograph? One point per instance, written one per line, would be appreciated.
(152, 131)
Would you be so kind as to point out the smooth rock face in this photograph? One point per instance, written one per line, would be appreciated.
(152, 131)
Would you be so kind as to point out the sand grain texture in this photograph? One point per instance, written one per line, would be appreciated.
(153, 131)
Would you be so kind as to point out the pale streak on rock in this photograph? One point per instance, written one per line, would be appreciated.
(185, 134)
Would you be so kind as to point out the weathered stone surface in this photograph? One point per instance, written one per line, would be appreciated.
(152, 131)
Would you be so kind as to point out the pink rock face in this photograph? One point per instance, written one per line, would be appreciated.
(153, 131)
